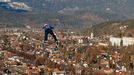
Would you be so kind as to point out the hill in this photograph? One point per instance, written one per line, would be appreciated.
(69, 13)
(114, 28)
(69, 19)
(120, 7)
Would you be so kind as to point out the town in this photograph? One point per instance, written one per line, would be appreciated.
(22, 52)
(66, 37)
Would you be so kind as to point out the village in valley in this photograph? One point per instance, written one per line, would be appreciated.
(22, 52)
(66, 37)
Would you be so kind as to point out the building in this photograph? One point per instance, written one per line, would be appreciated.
(125, 41)
(59, 73)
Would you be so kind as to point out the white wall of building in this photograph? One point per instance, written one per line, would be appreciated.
(117, 41)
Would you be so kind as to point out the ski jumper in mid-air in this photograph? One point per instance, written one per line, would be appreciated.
(48, 29)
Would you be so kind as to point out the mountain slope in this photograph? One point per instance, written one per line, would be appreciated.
(73, 13)
(76, 19)
(124, 7)
(113, 28)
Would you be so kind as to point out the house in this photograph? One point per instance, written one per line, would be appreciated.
(83, 40)
(59, 73)
(132, 58)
